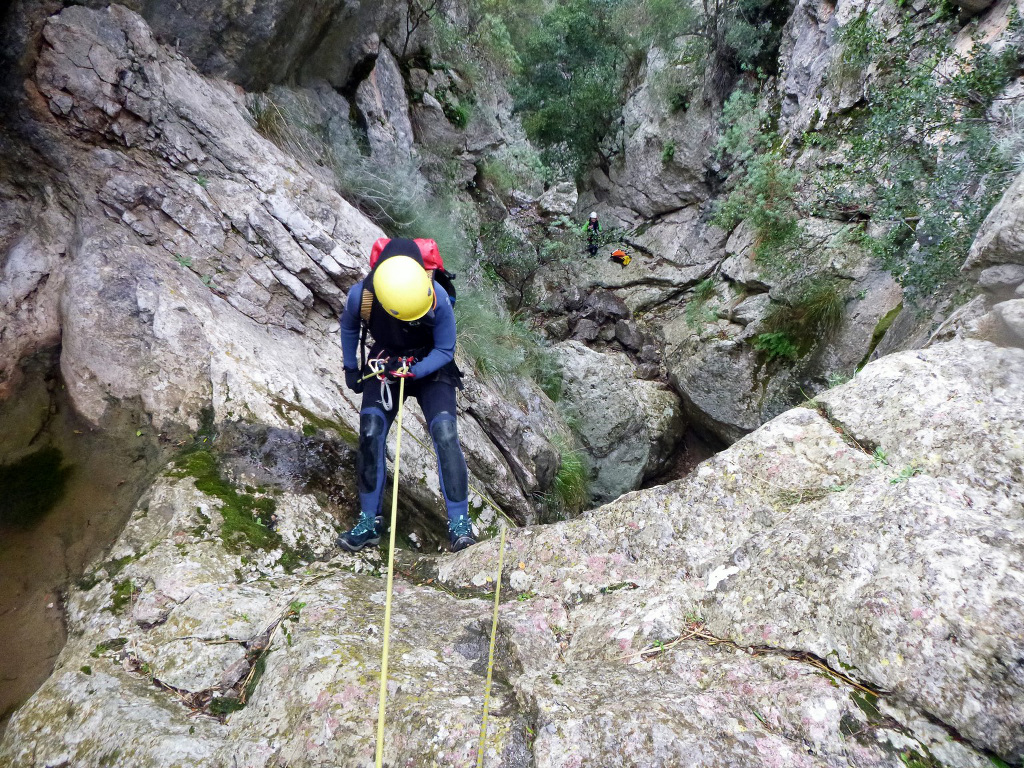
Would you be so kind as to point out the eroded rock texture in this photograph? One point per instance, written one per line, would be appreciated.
(877, 534)
(182, 259)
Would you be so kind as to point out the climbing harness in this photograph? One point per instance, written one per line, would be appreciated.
(379, 367)
(382, 705)
(490, 656)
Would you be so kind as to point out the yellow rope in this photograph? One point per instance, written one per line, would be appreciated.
(382, 704)
(490, 657)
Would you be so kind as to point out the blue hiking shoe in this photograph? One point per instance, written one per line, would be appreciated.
(460, 534)
(365, 534)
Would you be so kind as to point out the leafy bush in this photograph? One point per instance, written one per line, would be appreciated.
(922, 158)
(765, 196)
(776, 345)
(570, 493)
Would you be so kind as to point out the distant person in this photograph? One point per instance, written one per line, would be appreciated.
(410, 317)
(592, 229)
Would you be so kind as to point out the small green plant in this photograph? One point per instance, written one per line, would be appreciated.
(86, 669)
(524, 596)
(879, 458)
(668, 152)
(116, 644)
(696, 313)
(776, 345)
(124, 592)
(202, 181)
(183, 260)
(905, 474)
(765, 196)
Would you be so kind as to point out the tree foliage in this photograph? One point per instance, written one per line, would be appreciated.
(569, 89)
(920, 158)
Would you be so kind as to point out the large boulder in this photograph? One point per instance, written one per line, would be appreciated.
(878, 537)
(1000, 239)
(628, 427)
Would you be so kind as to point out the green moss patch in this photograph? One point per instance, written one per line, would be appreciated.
(32, 486)
(881, 328)
(245, 517)
(106, 646)
(124, 591)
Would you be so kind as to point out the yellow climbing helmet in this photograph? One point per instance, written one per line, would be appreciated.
(403, 288)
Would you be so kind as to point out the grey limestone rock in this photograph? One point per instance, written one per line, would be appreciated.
(385, 108)
(900, 565)
(629, 427)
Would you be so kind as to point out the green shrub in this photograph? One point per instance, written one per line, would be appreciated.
(668, 152)
(765, 196)
(776, 345)
(813, 316)
(570, 492)
(921, 158)
(676, 84)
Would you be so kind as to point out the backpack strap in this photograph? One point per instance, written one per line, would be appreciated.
(365, 307)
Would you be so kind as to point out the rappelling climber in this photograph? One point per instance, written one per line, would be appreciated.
(410, 317)
(592, 229)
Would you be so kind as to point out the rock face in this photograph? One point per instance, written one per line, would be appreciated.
(876, 540)
(186, 261)
(202, 622)
(904, 569)
(382, 101)
(628, 427)
(662, 167)
(266, 43)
